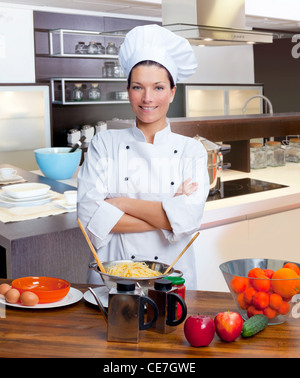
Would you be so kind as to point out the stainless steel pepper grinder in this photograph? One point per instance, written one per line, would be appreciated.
(166, 299)
(126, 309)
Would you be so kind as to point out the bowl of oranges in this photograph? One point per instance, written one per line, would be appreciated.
(263, 286)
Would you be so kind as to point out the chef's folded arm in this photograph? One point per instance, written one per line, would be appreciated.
(184, 214)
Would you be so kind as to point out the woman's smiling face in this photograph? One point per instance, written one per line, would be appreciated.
(150, 94)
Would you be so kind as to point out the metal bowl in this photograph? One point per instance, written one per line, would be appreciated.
(146, 282)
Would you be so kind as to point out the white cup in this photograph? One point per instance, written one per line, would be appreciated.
(71, 197)
(7, 173)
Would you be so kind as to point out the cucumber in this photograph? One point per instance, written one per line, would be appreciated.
(254, 325)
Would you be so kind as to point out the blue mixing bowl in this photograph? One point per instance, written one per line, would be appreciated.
(57, 163)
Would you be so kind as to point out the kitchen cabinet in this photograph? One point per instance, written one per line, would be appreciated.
(275, 236)
(216, 100)
(215, 246)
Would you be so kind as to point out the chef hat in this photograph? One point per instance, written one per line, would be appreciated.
(156, 43)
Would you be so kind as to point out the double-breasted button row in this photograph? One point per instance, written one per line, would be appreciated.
(133, 257)
(127, 178)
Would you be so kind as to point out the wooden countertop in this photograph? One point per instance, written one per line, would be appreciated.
(79, 330)
(239, 127)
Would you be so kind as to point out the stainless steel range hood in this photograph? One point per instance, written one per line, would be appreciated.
(211, 22)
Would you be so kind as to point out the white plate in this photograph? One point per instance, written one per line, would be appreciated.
(102, 293)
(11, 179)
(4, 196)
(26, 190)
(62, 203)
(25, 203)
(73, 296)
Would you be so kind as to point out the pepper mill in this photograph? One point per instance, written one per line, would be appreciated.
(125, 316)
(166, 299)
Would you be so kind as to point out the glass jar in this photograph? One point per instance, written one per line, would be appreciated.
(111, 49)
(275, 154)
(118, 72)
(258, 156)
(108, 69)
(92, 48)
(292, 151)
(94, 93)
(77, 94)
(80, 48)
(100, 48)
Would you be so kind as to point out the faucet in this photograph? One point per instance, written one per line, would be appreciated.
(267, 100)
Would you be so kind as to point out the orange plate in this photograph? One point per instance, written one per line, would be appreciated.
(48, 289)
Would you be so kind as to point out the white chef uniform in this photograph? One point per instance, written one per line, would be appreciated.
(122, 163)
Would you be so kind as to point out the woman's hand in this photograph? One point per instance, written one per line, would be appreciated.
(187, 188)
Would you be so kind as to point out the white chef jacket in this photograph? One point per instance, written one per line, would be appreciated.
(121, 163)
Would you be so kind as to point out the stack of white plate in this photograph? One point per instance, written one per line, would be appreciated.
(28, 194)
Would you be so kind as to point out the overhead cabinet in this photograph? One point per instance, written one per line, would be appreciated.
(218, 100)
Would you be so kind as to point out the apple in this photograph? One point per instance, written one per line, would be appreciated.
(228, 325)
(199, 330)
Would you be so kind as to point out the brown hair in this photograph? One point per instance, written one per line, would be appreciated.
(151, 63)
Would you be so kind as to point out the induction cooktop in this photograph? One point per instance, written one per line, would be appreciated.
(233, 188)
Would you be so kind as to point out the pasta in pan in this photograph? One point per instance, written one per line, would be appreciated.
(132, 269)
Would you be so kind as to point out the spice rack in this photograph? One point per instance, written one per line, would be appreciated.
(61, 89)
(60, 49)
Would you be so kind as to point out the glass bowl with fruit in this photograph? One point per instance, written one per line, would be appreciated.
(264, 286)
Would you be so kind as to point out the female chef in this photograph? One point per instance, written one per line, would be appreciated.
(142, 190)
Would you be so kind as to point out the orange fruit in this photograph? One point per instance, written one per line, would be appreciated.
(241, 301)
(261, 300)
(275, 301)
(269, 272)
(256, 273)
(239, 284)
(269, 312)
(292, 266)
(285, 282)
(259, 285)
(284, 308)
(263, 284)
(249, 294)
(251, 310)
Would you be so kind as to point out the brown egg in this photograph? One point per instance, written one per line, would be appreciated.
(4, 288)
(12, 296)
(29, 299)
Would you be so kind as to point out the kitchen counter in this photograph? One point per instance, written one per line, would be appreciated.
(79, 331)
(238, 127)
(254, 205)
(47, 246)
